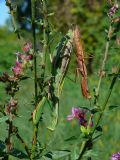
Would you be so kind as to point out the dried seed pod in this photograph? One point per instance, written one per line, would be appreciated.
(81, 62)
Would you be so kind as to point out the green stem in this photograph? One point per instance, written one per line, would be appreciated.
(35, 131)
(105, 103)
(34, 141)
(82, 149)
(103, 63)
(23, 143)
(44, 39)
(34, 47)
(84, 144)
(8, 142)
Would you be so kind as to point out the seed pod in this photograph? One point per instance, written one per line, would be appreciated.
(38, 111)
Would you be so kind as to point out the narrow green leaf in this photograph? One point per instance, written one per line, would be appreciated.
(96, 137)
(113, 107)
(54, 118)
(83, 129)
(60, 154)
(71, 138)
(2, 145)
(14, 152)
(18, 154)
(38, 111)
(99, 128)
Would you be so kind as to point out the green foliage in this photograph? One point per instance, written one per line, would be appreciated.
(54, 146)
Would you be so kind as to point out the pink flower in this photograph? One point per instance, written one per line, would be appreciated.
(30, 57)
(24, 58)
(116, 156)
(18, 69)
(79, 114)
(113, 10)
(27, 47)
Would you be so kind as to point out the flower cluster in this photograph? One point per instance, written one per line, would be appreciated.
(22, 60)
(11, 107)
(27, 47)
(112, 10)
(80, 114)
(21, 63)
(116, 156)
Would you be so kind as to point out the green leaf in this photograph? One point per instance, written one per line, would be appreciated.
(48, 156)
(19, 154)
(2, 145)
(90, 153)
(95, 109)
(14, 152)
(71, 138)
(96, 137)
(60, 154)
(83, 129)
(113, 107)
(3, 119)
(54, 118)
(24, 78)
(45, 158)
(38, 111)
(88, 130)
(99, 128)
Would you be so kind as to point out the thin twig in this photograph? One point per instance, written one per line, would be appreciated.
(103, 62)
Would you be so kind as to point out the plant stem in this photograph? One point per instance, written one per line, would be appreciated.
(82, 149)
(8, 142)
(105, 103)
(84, 144)
(103, 63)
(35, 130)
(44, 39)
(23, 143)
(34, 47)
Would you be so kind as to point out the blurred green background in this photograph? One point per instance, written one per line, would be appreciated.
(91, 16)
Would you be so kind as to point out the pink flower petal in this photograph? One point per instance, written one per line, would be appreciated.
(70, 117)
